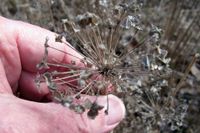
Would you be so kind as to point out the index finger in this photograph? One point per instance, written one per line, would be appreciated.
(23, 48)
(30, 40)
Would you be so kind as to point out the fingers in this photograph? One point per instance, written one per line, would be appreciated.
(30, 40)
(104, 123)
(4, 85)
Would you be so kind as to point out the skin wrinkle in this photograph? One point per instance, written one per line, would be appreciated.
(4, 82)
(9, 52)
(17, 64)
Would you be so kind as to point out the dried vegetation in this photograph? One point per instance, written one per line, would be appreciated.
(147, 51)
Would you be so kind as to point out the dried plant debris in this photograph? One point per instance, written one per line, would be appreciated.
(93, 110)
(180, 22)
(114, 55)
(159, 112)
(123, 55)
(151, 108)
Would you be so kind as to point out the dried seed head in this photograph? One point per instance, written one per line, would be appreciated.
(94, 110)
(77, 108)
(87, 19)
(115, 53)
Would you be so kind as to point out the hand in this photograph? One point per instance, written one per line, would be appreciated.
(21, 48)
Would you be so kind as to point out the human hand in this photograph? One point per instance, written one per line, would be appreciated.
(21, 49)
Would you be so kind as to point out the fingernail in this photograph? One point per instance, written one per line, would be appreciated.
(116, 111)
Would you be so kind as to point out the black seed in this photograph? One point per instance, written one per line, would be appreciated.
(94, 110)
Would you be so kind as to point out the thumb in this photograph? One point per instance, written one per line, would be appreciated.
(27, 116)
(103, 123)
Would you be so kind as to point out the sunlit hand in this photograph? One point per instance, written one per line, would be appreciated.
(21, 49)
